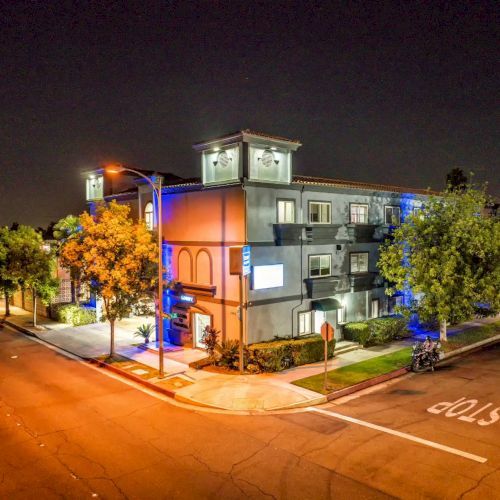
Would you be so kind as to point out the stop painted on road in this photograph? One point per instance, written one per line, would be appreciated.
(484, 415)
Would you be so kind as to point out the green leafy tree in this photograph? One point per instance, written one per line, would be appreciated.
(116, 257)
(448, 255)
(456, 180)
(33, 265)
(8, 285)
(64, 230)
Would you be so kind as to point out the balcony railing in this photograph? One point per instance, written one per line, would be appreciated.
(364, 281)
(287, 234)
(325, 287)
(322, 233)
(363, 233)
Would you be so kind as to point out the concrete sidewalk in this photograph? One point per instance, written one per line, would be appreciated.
(262, 392)
(228, 392)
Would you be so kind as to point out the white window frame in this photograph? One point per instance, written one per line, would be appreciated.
(393, 220)
(285, 211)
(373, 315)
(325, 209)
(358, 216)
(324, 257)
(149, 217)
(305, 322)
(356, 256)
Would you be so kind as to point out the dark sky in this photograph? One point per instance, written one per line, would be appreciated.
(376, 91)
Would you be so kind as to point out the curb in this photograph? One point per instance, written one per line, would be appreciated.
(472, 347)
(100, 364)
(367, 383)
(138, 380)
(402, 371)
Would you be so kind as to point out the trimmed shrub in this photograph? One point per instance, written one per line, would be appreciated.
(75, 315)
(278, 355)
(357, 332)
(377, 331)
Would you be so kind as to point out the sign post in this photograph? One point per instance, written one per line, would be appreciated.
(327, 332)
(240, 264)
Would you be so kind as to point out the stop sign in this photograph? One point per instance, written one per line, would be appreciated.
(327, 331)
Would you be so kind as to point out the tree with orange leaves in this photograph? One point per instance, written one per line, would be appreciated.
(116, 257)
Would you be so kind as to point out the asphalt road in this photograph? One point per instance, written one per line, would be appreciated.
(70, 431)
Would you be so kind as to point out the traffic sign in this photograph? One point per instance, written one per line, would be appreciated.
(327, 331)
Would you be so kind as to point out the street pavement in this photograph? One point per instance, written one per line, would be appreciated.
(69, 430)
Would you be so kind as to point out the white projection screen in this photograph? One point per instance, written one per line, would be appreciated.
(270, 276)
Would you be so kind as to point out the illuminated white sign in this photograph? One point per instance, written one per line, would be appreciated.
(221, 165)
(94, 187)
(269, 164)
(267, 276)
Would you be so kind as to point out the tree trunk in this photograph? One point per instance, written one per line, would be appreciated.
(7, 304)
(34, 308)
(442, 331)
(77, 292)
(112, 338)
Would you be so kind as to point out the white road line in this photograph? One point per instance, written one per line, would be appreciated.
(403, 435)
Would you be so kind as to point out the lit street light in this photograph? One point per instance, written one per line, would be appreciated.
(157, 190)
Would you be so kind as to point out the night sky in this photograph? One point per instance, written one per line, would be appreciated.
(397, 93)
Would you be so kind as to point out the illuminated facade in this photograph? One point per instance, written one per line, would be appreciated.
(313, 242)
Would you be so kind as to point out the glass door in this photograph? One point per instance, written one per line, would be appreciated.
(200, 322)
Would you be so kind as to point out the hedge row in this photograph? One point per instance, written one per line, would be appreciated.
(278, 355)
(74, 315)
(377, 331)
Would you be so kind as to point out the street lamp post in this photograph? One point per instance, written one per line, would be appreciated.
(157, 191)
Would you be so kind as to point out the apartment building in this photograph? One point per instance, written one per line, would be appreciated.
(311, 244)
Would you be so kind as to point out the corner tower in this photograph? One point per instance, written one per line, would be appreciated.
(247, 155)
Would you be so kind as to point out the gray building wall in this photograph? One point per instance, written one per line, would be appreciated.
(274, 311)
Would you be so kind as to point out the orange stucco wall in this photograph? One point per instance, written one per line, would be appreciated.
(200, 227)
(205, 216)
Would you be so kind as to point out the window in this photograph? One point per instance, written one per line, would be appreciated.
(304, 323)
(320, 265)
(375, 308)
(286, 211)
(392, 216)
(341, 315)
(320, 212)
(359, 214)
(395, 302)
(148, 215)
(359, 262)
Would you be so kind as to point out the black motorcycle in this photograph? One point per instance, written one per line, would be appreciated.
(424, 358)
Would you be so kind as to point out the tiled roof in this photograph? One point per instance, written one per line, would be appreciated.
(246, 131)
(324, 181)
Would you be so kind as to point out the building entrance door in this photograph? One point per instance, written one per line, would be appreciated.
(200, 321)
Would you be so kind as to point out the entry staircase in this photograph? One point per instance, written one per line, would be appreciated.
(343, 346)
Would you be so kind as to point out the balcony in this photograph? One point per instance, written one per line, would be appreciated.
(287, 234)
(364, 281)
(322, 233)
(363, 233)
(326, 287)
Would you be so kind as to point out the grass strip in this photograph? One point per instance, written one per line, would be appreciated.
(357, 372)
(129, 365)
(471, 336)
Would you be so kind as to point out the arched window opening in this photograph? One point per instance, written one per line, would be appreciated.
(185, 266)
(148, 216)
(204, 268)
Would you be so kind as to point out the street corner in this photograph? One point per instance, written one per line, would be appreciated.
(247, 394)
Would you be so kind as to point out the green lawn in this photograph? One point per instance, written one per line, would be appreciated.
(471, 336)
(357, 372)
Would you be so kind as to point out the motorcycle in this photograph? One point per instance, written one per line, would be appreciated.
(424, 358)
